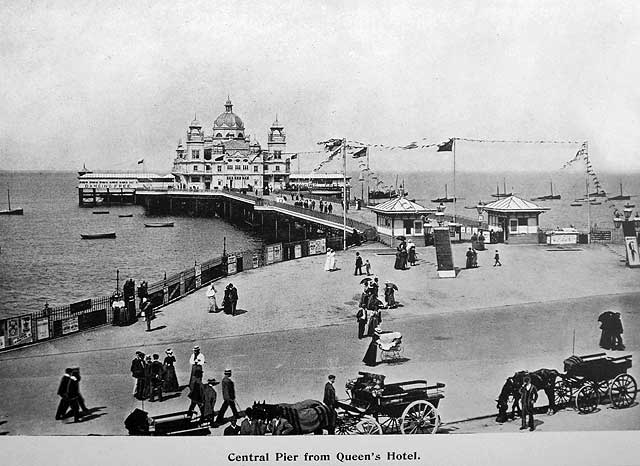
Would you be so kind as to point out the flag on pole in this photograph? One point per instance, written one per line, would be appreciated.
(362, 152)
(446, 146)
(140, 161)
(294, 156)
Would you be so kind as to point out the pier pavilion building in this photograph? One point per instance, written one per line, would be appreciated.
(517, 218)
(228, 158)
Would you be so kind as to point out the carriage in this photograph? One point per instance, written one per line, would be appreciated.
(591, 378)
(374, 407)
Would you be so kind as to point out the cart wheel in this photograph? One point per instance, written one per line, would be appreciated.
(351, 425)
(420, 417)
(562, 393)
(622, 391)
(390, 425)
(587, 399)
(603, 389)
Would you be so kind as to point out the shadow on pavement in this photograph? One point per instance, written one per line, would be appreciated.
(158, 328)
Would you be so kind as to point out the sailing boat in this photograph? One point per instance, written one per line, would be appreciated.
(504, 194)
(11, 211)
(548, 197)
(446, 197)
(620, 197)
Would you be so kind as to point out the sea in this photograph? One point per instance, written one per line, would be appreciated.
(44, 260)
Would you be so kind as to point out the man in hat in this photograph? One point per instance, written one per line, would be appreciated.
(157, 378)
(330, 396)
(229, 397)
(62, 393)
(233, 297)
(73, 393)
(528, 397)
(197, 362)
(148, 312)
(232, 429)
(196, 395)
(245, 425)
(279, 425)
(137, 372)
(210, 397)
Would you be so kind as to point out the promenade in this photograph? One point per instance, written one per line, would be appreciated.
(296, 324)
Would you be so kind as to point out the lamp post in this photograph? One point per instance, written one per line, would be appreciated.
(629, 228)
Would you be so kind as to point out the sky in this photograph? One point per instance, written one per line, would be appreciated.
(109, 83)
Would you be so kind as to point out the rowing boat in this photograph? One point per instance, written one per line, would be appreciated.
(109, 234)
(158, 224)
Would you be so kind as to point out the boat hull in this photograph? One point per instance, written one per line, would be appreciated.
(110, 234)
(158, 225)
(18, 211)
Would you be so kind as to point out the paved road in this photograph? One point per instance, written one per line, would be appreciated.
(471, 351)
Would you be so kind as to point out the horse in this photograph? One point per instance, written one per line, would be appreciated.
(542, 379)
(306, 417)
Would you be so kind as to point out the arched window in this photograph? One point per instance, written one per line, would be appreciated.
(218, 135)
(240, 135)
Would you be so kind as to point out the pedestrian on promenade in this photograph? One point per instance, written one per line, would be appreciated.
(374, 286)
(330, 208)
(170, 378)
(229, 397)
(196, 395)
(367, 267)
(496, 259)
(412, 252)
(157, 378)
(209, 400)
(361, 318)
(617, 330)
(607, 340)
(469, 263)
(371, 356)
(63, 406)
(233, 297)
(148, 376)
(232, 429)
(137, 372)
(313, 205)
(330, 394)
(211, 296)
(147, 310)
(321, 206)
(245, 425)
(73, 394)
(197, 362)
(358, 270)
(143, 292)
(474, 259)
(528, 397)
(327, 262)
(389, 295)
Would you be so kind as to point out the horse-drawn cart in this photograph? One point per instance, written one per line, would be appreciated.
(588, 379)
(374, 407)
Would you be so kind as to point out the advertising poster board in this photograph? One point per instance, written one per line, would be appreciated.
(633, 255)
(277, 252)
(321, 246)
(269, 254)
(232, 266)
(297, 251)
(198, 273)
(2, 342)
(444, 257)
(19, 331)
(70, 325)
(42, 328)
(255, 261)
(312, 248)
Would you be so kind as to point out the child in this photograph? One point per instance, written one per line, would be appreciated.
(367, 267)
(497, 259)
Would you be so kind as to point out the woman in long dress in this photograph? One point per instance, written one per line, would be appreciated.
(371, 356)
(327, 262)
(170, 378)
(146, 391)
(211, 296)
(412, 253)
(401, 256)
(333, 260)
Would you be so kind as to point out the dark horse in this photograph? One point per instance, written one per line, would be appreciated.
(308, 416)
(542, 379)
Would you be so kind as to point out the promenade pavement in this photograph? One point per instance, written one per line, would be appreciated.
(294, 311)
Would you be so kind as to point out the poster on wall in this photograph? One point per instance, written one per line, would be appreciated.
(633, 255)
(198, 273)
(255, 262)
(42, 328)
(312, 248)
(232, 266)
(297, 251)
(70, 325)
(2, 342)
(269, 254)
(321, 246)
(19, 331)
(277, 252)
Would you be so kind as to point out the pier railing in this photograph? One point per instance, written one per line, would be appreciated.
(60, 321)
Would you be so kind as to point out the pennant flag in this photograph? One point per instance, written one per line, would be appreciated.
(140, 161)
(411, 145)
(360, 153)
(446, 146)
(294, 156)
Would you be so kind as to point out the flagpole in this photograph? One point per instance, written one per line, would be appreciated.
(368, 173)
(344, 195)
(586, 148)
(454, 179)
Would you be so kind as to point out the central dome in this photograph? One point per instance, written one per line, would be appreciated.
(228, 119)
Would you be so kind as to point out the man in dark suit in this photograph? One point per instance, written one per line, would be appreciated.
(229, 397)
(73, 393)
(137, 372)
(233, 296)
(62, 393)
(358, 270)
(279, 425)
(330, 397)
(210, 397)
(232, 429)
(528, 397)
(157, 378)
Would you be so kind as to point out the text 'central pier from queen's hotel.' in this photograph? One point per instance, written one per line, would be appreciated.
(228, 158)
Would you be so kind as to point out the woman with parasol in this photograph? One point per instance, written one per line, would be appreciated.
(389, 295)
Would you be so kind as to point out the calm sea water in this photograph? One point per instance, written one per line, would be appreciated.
(44, 259)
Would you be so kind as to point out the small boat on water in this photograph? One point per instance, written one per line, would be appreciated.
(10, 211)
(446, 197)
(109, 234)
(547, 197)
(575, 204)
(100, 212)
(125, 215)
(158, 224)
(620, 197)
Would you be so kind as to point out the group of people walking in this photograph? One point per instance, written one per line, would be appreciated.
(152, 377)
(405, 254)
(70, 396)
(611, 326)
(229, 301)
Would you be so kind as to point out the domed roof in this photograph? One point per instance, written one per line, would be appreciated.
(228, 119)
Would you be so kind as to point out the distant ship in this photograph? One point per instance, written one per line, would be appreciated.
(84, 170)
(504, 194)
(620, 197)
(446, 198)
(547, 197)
(10, 211)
